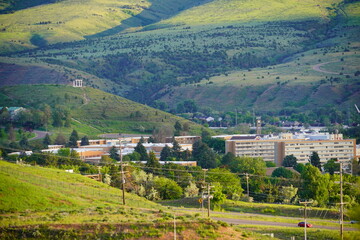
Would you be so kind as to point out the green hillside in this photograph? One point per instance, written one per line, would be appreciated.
(272, 56)
(92, 111)
(38, 189)
(71, 20)
(44, 203)
(224, 11)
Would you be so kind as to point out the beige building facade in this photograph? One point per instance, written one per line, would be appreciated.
(275, 150)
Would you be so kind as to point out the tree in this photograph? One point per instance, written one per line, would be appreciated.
(270, 164)
(191, 190)
(282, 172)
(105, 160)
(178, 128)
(24, 144)
(248, 165)
(165, 153)
(204, 155)
(142, 151)
(167, 188)
(287, 194)
(229, 181)
(74, 137)
(47, 140)
(315, 160)
(227, 158)
(60, 139)
(84, 141)
(332, 166)
(299, 167)
(114, 154)
(176, 149)
(315, 186)
(289, 161)
(152, 162)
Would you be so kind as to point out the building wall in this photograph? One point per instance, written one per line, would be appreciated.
(276, 150)
(343, 150)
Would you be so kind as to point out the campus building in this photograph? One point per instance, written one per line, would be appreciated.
(275, 148)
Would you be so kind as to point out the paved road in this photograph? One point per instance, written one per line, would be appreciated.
(39, 134)
(266, 223)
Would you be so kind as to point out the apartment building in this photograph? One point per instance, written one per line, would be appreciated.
(275, 148)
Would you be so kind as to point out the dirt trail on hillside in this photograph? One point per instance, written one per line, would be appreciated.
(317, 68)
(86, 99)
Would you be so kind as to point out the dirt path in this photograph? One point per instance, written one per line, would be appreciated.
(86, 99)
(317, 68)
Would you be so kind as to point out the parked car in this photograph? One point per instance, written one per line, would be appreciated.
(302, 224)
(354, 221)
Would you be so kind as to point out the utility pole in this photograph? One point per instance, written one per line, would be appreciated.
(247, 184)
(305, 216)
(174, 227)
(122, 172)
(208, 197)
(341, 204)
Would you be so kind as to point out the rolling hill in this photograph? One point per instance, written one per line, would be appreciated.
(93, 111)
(271, 56)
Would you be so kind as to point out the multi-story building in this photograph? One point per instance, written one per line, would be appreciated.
(275, 148)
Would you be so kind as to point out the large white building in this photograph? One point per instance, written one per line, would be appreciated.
(275, 148)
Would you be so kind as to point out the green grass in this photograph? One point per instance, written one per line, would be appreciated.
(298, 233)
(256, 10)
(69, 21)
(46, 203)
(93, 111)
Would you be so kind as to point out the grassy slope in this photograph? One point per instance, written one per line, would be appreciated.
(70, 20)
(292, 84)
(298, 84)
(252, 10)
(43, 203)
(37, 189)
(91, 107)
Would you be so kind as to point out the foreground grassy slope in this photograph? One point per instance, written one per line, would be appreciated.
(37, 189)
(42, 203)
(102, 112)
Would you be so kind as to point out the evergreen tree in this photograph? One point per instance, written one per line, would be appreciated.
(204, 155)
(74, 137)
(332, 166)
(176, 149)
(152, 162)
(47, 140)
(84, 141)
(289, 161)
(165, 153)
(24, 144)
(315, 160)
(178, 128)
(114, 154)
(142, 151)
